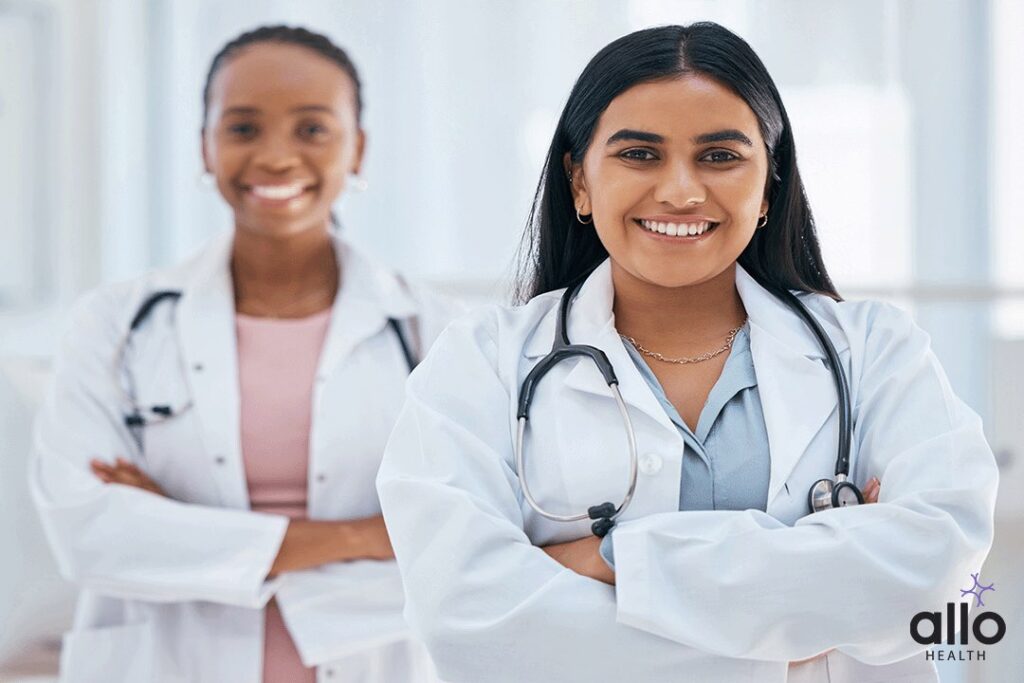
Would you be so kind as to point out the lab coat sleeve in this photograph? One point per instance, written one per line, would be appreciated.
(743, 584)
(119, 540)
(342, 608)
(489, 605)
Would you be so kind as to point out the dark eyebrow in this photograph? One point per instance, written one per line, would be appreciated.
(314, 107)
(241, 110)
(296, 110)
(639, 135)
(723, 136)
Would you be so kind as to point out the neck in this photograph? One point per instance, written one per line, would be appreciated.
(291, 276)
(677, 320)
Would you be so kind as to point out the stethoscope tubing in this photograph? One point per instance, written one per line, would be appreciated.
(562, 349)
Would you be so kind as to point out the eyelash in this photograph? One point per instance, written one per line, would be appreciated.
(318, 132)
(630, 154)
(306, 130)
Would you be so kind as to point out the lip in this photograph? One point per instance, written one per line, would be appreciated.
(678, 220)
(277, 194)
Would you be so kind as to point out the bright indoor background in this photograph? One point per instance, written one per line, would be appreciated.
(906, 115)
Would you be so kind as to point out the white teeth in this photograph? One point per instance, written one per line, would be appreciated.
(677, 229)
(277, 191)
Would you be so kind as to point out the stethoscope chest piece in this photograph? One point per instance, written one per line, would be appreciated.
(826, 494)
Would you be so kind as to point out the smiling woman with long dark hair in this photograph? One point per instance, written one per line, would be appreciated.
(655, 468)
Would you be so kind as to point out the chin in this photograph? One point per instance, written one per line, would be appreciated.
(675, 275)
(280, 227)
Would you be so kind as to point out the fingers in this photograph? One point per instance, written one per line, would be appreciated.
(872, 490)
(122, 472)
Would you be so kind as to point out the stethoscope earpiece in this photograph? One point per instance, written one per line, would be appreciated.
(604, 518)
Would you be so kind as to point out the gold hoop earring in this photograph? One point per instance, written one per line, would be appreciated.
(764, 220)
(580, 218)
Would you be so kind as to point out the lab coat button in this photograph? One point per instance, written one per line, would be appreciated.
(321, 477)
(220, 459)
(650, 463)
(198, 367)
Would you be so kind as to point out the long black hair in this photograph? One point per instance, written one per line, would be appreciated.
(286, 35)
(557, 251)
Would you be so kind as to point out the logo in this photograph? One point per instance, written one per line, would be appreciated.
(988, 628)
(978, 602)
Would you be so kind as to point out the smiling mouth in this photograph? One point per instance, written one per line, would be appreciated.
(277, 193)
(677, 229)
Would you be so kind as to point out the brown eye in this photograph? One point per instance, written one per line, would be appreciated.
(638, 154)
(312, 131)
(242, 130)
(721, 156)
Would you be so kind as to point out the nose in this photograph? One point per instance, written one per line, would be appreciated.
(276, 154)
(680, 185)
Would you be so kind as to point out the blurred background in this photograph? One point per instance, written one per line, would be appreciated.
(906, 115)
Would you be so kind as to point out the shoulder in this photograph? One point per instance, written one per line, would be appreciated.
(866, 324)
(109, 308)
(497, 332)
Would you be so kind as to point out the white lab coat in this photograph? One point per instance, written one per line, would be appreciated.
(701, 596)
(172, 588)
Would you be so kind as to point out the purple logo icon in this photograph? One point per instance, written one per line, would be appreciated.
(977, 590)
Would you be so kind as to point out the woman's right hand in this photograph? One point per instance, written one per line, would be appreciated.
(126, 473)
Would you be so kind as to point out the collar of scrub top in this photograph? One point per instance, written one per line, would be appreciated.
(782, 348)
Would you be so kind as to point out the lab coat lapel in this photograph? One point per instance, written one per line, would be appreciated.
(368, 295)
(592, 322)
(206, 325)
(794, 382)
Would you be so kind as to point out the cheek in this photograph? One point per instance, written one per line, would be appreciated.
(740, 194)
(613, 193)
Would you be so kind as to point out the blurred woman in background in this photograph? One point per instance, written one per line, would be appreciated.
(205, 461)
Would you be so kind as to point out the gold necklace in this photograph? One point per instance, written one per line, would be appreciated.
(687, 360)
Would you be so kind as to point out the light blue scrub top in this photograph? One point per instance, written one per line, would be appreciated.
(726, 463)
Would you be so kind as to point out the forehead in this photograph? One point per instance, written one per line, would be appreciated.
(678, 109)
(268, 74)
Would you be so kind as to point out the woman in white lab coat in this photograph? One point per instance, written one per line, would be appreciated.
(671, 192)
(205, 462)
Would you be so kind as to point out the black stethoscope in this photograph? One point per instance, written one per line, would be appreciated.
(138, 416)
(824, 494)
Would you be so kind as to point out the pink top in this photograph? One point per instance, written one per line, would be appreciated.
(277, 362)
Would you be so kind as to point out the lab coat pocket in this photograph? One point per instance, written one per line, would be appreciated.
(112, 654)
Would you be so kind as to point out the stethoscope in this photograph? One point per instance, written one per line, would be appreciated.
(824, 494)
(137, 417)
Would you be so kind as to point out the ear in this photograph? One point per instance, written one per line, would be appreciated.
(357, 161)
(764, 207)
(577, 184)
(204, 151)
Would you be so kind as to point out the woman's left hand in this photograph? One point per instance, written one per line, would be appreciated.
(583, 557)
(125, 472)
